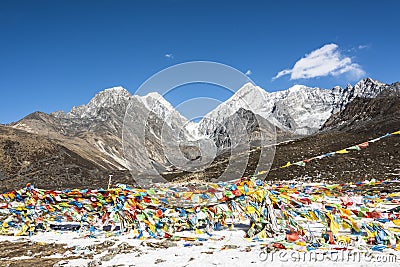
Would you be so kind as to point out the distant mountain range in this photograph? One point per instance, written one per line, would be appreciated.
(83, 146)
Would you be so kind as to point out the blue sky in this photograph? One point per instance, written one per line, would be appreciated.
(57, 54)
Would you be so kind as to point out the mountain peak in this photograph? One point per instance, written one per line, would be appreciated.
(108, 98)
(154, 95)
(297, 87)
(154, 99)
(248, 89)
(116, 89)
(369, 80)
(113, 92)
(367, 87)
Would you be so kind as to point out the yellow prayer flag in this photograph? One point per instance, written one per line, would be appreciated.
(251, 209)
(343, 151)
(23, 230)
(287, 165)
(152, 227)
(397, 222)
(345, 211)
(135, 232)
(198, 232)
(334, 226)
(262, 234)
(313, 216)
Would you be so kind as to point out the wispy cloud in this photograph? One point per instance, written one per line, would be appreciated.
(362, 46)
(169, 56)
(324, 61)
(248, 72)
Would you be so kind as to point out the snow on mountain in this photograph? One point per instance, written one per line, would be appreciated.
(109, 98)
(366, 88)
(304, 110)
(249, 97)
(94, 131)
(300, 109)
(103, 117)
(194, 131)
(154, 101)
(157, 104)
(117, 100)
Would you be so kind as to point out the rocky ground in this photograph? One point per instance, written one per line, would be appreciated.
(380, 161)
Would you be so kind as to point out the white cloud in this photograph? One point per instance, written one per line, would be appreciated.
(324, 61)
(362, 46)
(169, 56)
(248, 72)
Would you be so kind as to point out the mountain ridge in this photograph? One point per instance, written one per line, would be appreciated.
(93, 132)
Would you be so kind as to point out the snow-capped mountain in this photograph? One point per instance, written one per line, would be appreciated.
(117, 99)
(300, 109)
(94, 131)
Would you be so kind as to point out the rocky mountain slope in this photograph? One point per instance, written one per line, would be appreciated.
(363, 119)
(27, 157)
(369, 114)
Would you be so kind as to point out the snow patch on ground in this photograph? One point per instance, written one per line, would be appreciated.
(224, 248)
